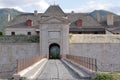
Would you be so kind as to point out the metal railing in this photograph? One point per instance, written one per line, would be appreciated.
(89, 63)
(8, 69)
(26, 62)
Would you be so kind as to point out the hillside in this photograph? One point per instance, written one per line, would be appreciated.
(101, 12)
(3, 16)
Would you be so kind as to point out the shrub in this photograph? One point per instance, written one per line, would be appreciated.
(19, 39)
(103, 76)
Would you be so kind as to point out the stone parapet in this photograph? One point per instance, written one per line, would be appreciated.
(92, 38)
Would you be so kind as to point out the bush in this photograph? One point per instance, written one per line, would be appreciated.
(19, 39)
(103, 76)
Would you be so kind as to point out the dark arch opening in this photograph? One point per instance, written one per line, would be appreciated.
(1, 33)
(54, 51)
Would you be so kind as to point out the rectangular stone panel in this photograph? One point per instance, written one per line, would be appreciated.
(54, 34)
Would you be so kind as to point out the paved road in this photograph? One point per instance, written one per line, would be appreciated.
(56, 70)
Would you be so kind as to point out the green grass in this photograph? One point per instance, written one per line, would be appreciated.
(116, 76)
(107, 76)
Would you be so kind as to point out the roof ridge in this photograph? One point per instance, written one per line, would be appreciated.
(54, 10)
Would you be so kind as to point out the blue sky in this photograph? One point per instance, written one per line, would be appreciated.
(66, 5)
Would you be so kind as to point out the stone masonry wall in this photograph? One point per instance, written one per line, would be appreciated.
(10, 52)
(107, 54)
(105, 48)
(98, 38)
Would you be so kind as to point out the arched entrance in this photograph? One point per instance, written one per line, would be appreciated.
(54, 51)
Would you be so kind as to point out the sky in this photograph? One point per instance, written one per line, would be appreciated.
(66, 5)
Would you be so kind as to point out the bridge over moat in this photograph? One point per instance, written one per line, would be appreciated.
(69, 68)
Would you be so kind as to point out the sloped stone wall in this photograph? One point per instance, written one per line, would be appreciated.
(11, 52)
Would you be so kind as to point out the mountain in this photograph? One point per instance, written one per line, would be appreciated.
(101, 12)
(3, 16)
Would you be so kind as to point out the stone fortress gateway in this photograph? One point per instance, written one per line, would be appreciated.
(54, 26)
(54, 32)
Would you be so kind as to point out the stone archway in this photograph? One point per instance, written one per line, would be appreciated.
(54, 51)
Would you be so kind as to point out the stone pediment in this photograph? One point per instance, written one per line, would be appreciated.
(53, 20)
(54, 10)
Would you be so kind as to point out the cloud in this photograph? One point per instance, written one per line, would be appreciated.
(52, 1)
(18, 8)
(96, 5)
(24, 4)
(42, 5)
(116, 9)
(11, 3)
